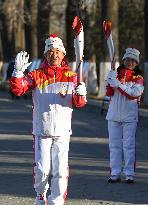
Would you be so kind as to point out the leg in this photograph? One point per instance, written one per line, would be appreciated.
(42, 148)
(129, 131)
(115, 146)
(60, 171)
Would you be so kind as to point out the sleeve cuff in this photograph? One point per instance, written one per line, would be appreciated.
(18, 73)
(122, 86)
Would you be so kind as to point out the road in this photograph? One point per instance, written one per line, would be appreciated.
(88, 158)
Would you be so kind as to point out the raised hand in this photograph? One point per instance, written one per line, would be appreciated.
(21, 61)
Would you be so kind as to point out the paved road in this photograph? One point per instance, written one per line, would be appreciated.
(89, 159)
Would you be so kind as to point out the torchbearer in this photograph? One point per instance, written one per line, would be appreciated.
(54, 92)
(125, 87)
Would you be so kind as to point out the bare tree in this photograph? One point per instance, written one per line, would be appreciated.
(88, 12)
(110, 12)
(131, 26)
(1, 48)
(13, 11)
(8, 18)
(146, 53)
(71, 12)
(19, 30)
(33, 26)
(9, 10)
(57, 15)
(43, 24)
(146, 29)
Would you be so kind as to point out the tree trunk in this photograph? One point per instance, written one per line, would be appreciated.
(88, 13)
(98, 39)
(1, 48)
(71, 12)
(33, 25)
(146, 29)
(8, 17)
(57, 23)
(19, 32)
(146, 54)
(110, 12)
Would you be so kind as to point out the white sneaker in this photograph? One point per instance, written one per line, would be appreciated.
(129, 179)
(114, 179)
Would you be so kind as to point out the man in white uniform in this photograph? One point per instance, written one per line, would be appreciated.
(54, 91)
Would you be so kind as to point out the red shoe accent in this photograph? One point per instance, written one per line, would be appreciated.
(41, 197)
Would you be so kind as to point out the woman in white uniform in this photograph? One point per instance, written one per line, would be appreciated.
(125, 87)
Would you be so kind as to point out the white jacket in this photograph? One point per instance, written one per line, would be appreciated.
(124, 100)
(53, 91)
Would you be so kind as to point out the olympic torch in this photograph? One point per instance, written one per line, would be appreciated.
(107, 26)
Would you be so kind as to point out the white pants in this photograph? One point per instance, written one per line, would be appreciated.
(51, 158)
(122, 137)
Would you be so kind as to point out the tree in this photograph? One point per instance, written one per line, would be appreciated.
(57, 23)
(146, 29)
(71, 12)
(109, 10)
(13, 25)
(98, 39)
(146, 53)
(19, 30)
(131, 26)
(33, 25)
(88, 12)
(43, 24)
(7, 19)
(1, 48)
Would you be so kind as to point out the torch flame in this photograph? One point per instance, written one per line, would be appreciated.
(107, 28)
(77, 25)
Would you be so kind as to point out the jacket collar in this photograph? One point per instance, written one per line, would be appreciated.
(126, 74)
(52, 69)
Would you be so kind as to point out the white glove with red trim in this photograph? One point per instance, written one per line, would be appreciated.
(81, 89)
(21, 61)
(114, 83)
(112, 79)
(112, 74)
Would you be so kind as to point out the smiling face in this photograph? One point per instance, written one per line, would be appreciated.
(54, 57)
(130, 63)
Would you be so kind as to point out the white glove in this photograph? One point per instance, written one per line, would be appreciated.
(21, 61)
(81, 89)
(112, 74)
(114, 82)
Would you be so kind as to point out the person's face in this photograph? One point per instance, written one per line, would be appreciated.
(54, 57)
(130, 63)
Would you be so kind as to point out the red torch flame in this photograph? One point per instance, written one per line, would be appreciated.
(107, 28)
(77, 25)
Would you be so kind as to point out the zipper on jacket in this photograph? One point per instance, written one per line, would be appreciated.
(121, 111)
(54, 121)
